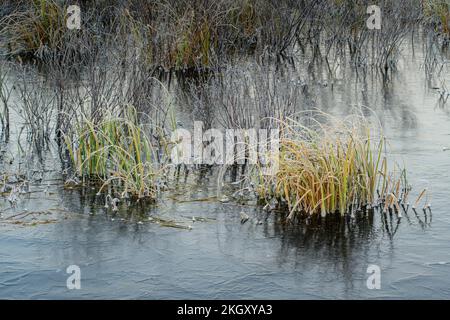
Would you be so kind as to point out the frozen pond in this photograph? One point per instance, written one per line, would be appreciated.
(129, 254)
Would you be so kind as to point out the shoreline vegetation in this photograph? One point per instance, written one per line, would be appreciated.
(103, 92)
(194, 36)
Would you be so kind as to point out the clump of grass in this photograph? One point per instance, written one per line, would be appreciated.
(118, 153)
(329, 168)
(40, 27)
(438, 13)
(189, 35)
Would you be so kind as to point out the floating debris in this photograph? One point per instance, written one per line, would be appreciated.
(174, 225)
(114, 203)
(32, 218)
(199, 219)
(194, 200)
(71, 182)
(169, 223)
(244, 217)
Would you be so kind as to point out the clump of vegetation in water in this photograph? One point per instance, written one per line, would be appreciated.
(41, 26)
(437, 13)
(118, 153)
(179, 35)
(325, 169)
(170, 34)
(201, 36)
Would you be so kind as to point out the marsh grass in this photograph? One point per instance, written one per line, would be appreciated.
(174, 35)
(437, 12)
(40, 27)
(194, 35)
(5, 94)
(117, 153)
(323, 169)
(333, 166)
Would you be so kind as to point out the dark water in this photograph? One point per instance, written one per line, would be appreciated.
(124, 255)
